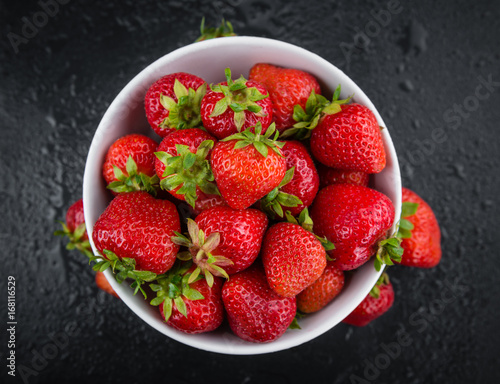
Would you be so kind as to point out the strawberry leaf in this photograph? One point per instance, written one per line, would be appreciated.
(185, 113)
(408, 209)
(239, 98)
(188, 171)
(224, 29)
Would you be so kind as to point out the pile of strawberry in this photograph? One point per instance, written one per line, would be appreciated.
(253, 207)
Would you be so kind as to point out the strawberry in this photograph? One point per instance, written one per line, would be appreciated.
(130, 165)
(322, 291)
(329, 176)
(298, 191)
(241, 233)
(223, 30)
(247, 166)
(255, 312)
(74, 228)
(349, 138)
(287, 87)
(103, 283)
(293, 257)
(182, 165)
(205, 202)
(420, 232)
(375, 304)
(354, 218)
(233, 106)
(192, 307)
(136, 228)
(173, 102)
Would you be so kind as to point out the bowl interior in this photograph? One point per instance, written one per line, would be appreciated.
(208, 59)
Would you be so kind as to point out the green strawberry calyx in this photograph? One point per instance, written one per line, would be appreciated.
(261, 142)
(76, 240)
(132, 180)
(406, 226)
(173, 287)
(223, 30)
(123, 268)
(201, 251)
(305, 221)
(382, 280)
(390, 250)
(239, 98)
(185, 112)
(275, 200)
(188, 171)
(316, 107)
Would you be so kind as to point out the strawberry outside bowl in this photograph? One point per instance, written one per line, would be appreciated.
(208, 59)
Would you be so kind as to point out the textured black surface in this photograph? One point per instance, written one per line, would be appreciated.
(422, 70)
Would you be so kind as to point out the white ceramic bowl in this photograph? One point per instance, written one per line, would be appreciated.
(208, 59)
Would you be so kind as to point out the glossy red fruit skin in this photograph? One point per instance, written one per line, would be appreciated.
(138, 226)
(255, 312)
(354, 219)
(191, 137)
(205, 202)
(241, 233)
(287, 87)
(223, 125)
(140, 147)
(329, 176)
(243, 175)
(155, 112)
(423, 248)
(203, 315)
(371, 308)
(75, 217)
(293, 258)
(305, 181)
(349, 139)
(322, 291)
(103, 284)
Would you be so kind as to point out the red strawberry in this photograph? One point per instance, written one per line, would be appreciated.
(354, 219)
(103, 283)
(255, 312)
(349, 139)
(241, 233)
(233, 106)
(130, 165)
(247, 166)
(293, 258)
(205, 202)
(138, 228)
(189, 307)
(74, 228)
(322, 291)
(223, 240)
(374, 305)
(422, 246)
(287, 87)
(173, 102)
(329, 176)
(182, 165)
(303, 184)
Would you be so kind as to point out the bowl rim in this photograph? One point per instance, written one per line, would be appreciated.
(230, 345)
